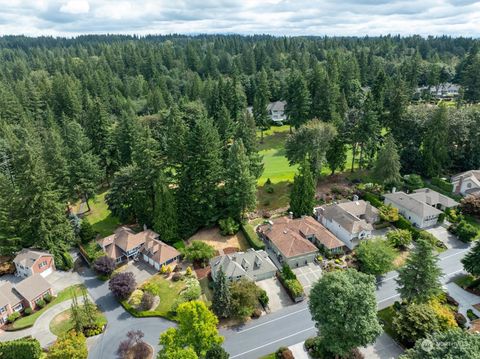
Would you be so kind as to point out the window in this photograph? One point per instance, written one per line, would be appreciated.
(3, 309)
(469, 185)
(18, 307)
(43, 264)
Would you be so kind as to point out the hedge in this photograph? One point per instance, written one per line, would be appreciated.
(24, 348)
(291, 283)
(252, 237)
(442, 184)
(402, 223)
(373, 199)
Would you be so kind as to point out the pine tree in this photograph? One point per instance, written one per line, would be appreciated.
(260, 103)
(200, 177)
(387, 166)
(471, 262)
(419, 280)
(435, 144)
(240, 184)
(225, 125)
(221, 301)
(166, 211)
(302, 198)
(298, 99)
(246, 131)
(336, 155)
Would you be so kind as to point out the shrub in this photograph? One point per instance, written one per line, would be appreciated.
(147, 301)
(413, 182)
(13, 317)
(461, 320)
(104, 265)
(136, 297)
(269, 189)
(471, 205)
(442, 184)
(216, 352)
(402, 223)
(375, 256)
(400, 238)
(177, 276)
(92, 331)
(192, 289)
(86, 233)
(464, 231)
(199, 251)
(287, 272)
(471, 315)
(257, 313)
(268, 181)
(244, 298)
(251, 236)
(294, 287)
(122, 285)
(41, 303)
(47, 298)
(228, 226)
(310, 343)
(373, 199)
(441, 217)
(24, 348)
(263, 297)
(284, 353)
(28, 311)
(389, 213)
(188, 271)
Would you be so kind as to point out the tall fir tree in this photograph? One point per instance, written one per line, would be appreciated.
(166, 212)
(419, 280)
(298, 99)
(240, 184)
(246, 131)
(221, 302)
(260, 103)
(302, 197)
(387, 166)
(435, 144)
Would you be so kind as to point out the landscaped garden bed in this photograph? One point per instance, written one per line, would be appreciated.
(29, 320)
(62, 322)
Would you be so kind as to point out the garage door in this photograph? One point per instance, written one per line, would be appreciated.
(46, 272)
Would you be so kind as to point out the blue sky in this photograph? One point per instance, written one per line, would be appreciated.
(277, 17)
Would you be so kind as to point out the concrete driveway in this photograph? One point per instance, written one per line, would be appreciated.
(278, 296)
(441, 232)
(141, 270)
(308, 275)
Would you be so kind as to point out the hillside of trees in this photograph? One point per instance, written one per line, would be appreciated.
(161, 121)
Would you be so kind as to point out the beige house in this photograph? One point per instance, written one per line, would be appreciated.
(25, 294)
(350, 221)
(126, 245)
(293, 240)
(32, 261)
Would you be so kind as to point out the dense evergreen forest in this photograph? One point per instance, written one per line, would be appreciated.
(161, 121)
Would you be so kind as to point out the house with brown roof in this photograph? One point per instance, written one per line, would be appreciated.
(32, 261)
(350, 221)
(25, 294)
(125, 245)
(293, 240)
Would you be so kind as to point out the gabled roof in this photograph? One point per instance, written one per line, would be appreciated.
(123, 240)
(433, 198)
(8, 295)
(473, 175)
(27, 257)
(33, 286)
(243, 264)
(276, 106)
(159, 251)
(347, 214)
(412, 204)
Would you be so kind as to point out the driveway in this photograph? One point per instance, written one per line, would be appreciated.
(383, 348)
(278, 296)
(58, 279)
(465, 299)
(441, 232)
(141, 270)
(308, 275)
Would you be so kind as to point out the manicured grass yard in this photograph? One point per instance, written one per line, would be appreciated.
(62, 322)
(62, 296)
(100, 216)
(167, 290)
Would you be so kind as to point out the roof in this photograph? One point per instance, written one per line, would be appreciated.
(412, 204)
(27, 257)
(473, 175)
(349, 215)
(33, 286)
(433, 198)
(159, 251)
(276, 106)
(123, 240)
(288, 235)
(243, 264)
(8, 295)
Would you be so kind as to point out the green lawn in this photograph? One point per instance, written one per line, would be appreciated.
(280, 197)
(269, 356)
(62, 296)
(61, 323)
(100, 216)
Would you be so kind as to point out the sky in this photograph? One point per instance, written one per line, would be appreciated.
(277, 17)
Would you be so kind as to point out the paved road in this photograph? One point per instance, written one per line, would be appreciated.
(286, 327)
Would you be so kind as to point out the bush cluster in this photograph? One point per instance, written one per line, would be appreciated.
(25, 348)
(464, 231)
(228, 226)
(442, 184)
(290, 282)
(13, 317)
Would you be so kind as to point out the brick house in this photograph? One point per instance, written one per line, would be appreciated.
(25, 294)
(32, 261)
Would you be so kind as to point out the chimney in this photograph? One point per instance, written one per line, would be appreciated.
(245, 264)
(290, 215)
(355, 197)
(394, 189)
(144, 227)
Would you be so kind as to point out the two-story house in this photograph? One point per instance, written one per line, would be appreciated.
(33, 261)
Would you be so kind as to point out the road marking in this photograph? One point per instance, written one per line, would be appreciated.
(384, 300)
(454, 254)
(273, 320)
(273, 342)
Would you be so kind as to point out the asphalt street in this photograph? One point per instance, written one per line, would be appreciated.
(285, 327)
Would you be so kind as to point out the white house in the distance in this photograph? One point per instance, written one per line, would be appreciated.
(422, 207)
(467, 182)
(276, 111)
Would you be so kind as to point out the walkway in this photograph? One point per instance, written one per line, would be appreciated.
(465, 299)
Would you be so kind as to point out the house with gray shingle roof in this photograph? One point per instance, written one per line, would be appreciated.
(252, 265)
(467, 182)
(422, 207)
(350, 221)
